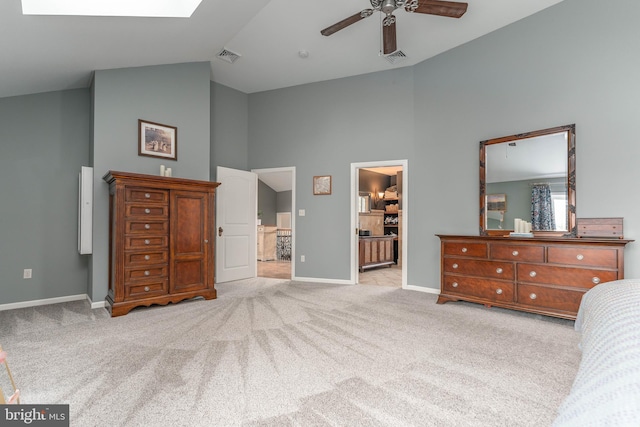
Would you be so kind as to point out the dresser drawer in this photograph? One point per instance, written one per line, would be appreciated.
(150, 289)
(518, 253)
(139, 194)
(146, 258)
(146, 210)
(477, 250)
(493, 290)
(137, 273)
(583, 256)
(543, 297)
(140, 242)
(493, 269)
(564, 276)
(146, 227)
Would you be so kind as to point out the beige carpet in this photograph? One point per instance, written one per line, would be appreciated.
(275, 353)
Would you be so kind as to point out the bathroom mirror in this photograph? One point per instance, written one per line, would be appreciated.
(536, 173)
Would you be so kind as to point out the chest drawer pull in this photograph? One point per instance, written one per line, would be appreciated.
(146, 273)
(596, 280)
(455, 266)
(147, 257)
(454, 284)
(499, 270)
(147, 195)
(515, 253)
(533, 274)
(147, 241)
(533, 296)
(579, 257)
(147, 226)
(464, 250)
(146, 289)
(147, 210)
(499, 291)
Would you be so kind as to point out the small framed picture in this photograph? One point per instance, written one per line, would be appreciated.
(157, 140)
(322, 185)
(496, 202)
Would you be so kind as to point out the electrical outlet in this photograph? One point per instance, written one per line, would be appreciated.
(27, 273)
(302, 259)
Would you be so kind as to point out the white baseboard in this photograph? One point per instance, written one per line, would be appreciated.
(99, 304)
(38, 302)
(422, 289)
(318, 280)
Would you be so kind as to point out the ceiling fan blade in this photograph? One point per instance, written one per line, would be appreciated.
(346, 22)
(389, 38)
(451, 9)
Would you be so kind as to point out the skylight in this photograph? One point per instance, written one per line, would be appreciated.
(133, 8)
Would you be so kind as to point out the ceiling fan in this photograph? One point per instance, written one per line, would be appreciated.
(449, 9)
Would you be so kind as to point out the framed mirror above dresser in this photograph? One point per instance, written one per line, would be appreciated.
(528, 177)
(534, 167)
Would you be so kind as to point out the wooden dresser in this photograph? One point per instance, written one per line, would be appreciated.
(161, 246)
(539, 275)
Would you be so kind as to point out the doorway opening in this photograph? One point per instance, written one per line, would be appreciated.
(379, 215)
(275, 223)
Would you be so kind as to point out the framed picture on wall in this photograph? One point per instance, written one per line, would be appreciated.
(157, 140)
(496, 202)
(322, 185)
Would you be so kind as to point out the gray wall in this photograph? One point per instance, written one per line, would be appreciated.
(229, 128)
(284, 201)
(44, 140)
(570, 63)
(267, 203)
(176, 95)
(321, 128)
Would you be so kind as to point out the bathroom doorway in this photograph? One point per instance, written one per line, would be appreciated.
(379, 218)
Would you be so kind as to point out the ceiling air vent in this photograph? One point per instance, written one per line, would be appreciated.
(395, 57)
(227, 55)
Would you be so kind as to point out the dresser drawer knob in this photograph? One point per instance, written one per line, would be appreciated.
(499, 291)
(515, 253)
(579, 257)
(147, 226)
(596, 280)
(464, 250)
(146, 273)
(533, 274)
(499, 270)
(454, 284)
(146, 289)
(147, 195)
(455, 266)
(147, 211)
(533, 296)
(147, 257)
(147, 241)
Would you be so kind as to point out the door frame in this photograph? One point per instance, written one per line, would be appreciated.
(355, 167)
(291, 169)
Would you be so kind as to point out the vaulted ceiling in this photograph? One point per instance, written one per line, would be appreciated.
(45, 53)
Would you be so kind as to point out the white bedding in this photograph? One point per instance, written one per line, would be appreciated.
(606, 391)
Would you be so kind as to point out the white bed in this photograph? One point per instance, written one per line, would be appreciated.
(606, 391)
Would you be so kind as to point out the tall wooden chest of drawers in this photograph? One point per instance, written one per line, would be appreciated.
(161, 244)
(539, 275)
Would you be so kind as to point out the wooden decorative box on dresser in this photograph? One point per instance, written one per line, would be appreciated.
(161, 246)
(539, 275)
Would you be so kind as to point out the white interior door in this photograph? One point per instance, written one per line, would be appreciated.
(236, 209)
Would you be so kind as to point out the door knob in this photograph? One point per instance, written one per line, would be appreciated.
(220, 230)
